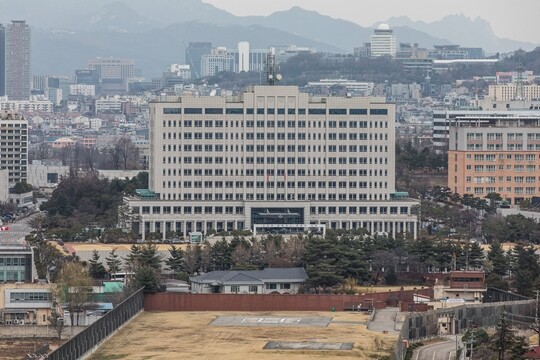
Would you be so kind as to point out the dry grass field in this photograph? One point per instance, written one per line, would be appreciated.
(16, 349)
(182, 335)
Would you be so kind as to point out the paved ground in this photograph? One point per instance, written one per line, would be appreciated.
(307, 345)
(271, 321)
(16, 232)
(445, 350)
(384, 320)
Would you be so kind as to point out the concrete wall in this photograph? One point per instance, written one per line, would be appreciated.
(418, 326)
(16, 331)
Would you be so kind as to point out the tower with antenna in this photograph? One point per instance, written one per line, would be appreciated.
(519, 94)
(271, 75)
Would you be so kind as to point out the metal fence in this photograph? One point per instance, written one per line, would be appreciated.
(40, 353)
(498, 295)
(419, 326)
(91, 337)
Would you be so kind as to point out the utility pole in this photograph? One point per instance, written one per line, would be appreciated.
(536, 313)
(473, 332)
(536, 327)
(501, 337)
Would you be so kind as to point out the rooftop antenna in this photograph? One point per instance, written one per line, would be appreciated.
(271, 75)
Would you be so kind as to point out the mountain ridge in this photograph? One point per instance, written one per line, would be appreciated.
(92, 26)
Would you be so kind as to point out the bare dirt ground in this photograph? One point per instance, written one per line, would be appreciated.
(174, 335)
(16, 349)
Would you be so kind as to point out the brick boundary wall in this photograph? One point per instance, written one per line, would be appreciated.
(171, 301)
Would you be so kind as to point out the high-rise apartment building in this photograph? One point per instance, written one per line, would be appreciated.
(243, 57)
(274, 157)
(2, 60)
(113, 74)
(17, 60)
(194, 53)
(495, 155)
(383, 42)
(14, 146)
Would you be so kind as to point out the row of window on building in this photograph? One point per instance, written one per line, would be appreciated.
(500, 136)
(515, 190)
(270, 160)
(277, 184)
(273, 197)
(12, 261)
(500, 147)
(493, 157)
(30, 296)
(271, 111)
(276, 172)
(493, 179)
(493, 168)
(271, 136)
(239, 210)
(267, 148)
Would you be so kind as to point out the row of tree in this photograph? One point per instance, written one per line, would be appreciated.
(84, 204)
(121, 154)
(504, 343)
(329, 260)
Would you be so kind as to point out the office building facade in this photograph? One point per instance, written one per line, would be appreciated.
(16, 263)
(113, 74)
(272, 156)
(17, 60)
(217, 61)
(498, 155)
(194, 53)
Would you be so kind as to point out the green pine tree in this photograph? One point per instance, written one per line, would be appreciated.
(476, 255)
(175, 261)
(96, 268)
(147, 277)
(498, 259)
(113, 262)
(525, 269)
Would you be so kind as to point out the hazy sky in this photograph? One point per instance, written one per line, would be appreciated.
(514, 19)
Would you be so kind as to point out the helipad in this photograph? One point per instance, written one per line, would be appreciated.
(307, 345)
(270, 321)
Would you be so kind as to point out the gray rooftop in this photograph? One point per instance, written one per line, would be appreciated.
(258, 277)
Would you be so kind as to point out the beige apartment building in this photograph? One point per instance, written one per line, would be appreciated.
(273, 157)
(500, 156)
(509, 92)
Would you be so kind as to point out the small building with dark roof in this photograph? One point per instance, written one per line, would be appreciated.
(267, 281)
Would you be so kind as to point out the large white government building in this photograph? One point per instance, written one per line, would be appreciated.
(271, 156)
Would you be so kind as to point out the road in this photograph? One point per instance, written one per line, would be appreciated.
(17, 232)
(384, 320)
(439, 351)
